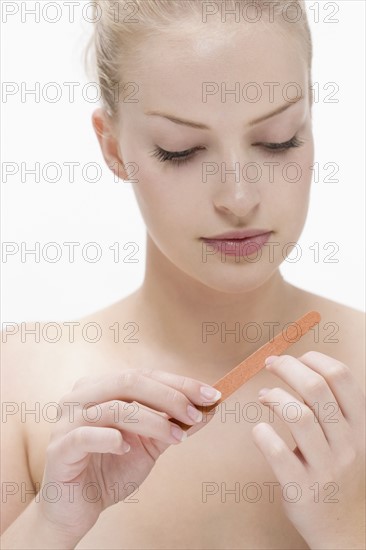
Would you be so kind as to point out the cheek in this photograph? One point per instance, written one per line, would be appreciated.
(165, 198)
(288, 197)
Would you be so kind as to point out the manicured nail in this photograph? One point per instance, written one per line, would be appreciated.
(208, 392)
(263, 392)
(178, 433)
(270, 359)
(194, 413)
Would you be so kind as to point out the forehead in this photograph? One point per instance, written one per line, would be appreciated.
(199, 65)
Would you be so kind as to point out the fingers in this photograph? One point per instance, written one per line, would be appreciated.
(285, 465)
(303, 425)
(339, 377)
(317, 394)
(198, 392)
(165, 392)
(76, 446)
(129, 417)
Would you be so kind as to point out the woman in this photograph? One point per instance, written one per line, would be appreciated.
(208, 116)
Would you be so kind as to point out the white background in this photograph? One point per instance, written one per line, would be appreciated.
(106, 211)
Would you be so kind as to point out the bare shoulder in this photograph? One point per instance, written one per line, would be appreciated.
(348, 321)
(341, 331)
(40, 360)
(44, 359)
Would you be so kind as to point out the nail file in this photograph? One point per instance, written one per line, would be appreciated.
(248, 368)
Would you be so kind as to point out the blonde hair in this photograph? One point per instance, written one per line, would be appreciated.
(116, 45)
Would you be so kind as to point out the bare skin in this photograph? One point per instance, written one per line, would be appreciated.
(179, 294)
(181, 475)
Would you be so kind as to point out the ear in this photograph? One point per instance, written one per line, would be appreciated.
(108, 143)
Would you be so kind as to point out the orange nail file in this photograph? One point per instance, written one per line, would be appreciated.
(240, 374)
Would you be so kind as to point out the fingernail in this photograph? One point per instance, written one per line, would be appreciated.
(208, 392)
(194, 413)
(178, 433)
(270, 359)
(126, 447)
(263, 392)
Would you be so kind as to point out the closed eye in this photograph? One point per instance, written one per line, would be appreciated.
(180, 157)
(293, 142)
(175, 157)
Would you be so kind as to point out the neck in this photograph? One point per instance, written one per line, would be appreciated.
(201, 327)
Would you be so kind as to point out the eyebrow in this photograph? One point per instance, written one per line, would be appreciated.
(200, 126)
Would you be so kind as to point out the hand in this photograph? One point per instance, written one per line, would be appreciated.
(326, 471)
(106, 442)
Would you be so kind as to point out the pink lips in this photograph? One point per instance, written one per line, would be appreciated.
(239, 243)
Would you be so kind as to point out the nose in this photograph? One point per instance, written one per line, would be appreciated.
(237, 188)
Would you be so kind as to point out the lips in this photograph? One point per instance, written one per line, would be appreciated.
(243, 234)
(239, 243)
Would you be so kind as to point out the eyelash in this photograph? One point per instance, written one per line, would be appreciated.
(180, 157)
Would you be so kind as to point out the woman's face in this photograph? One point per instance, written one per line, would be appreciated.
(232, 179)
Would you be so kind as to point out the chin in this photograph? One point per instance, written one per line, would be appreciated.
(237, 278)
